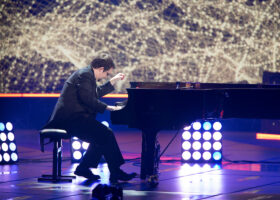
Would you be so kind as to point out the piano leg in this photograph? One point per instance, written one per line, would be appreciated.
(149, 156)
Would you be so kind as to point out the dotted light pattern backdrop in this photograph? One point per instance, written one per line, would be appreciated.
(44, 41)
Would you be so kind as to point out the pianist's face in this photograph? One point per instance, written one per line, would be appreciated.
(101, 74)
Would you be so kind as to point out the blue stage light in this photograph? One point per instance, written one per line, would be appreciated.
(217, 146)
(206, 155)
(196, 155)
(201, 146)
(186, 155)
(105, 123)
(11, 136)
(207, 146)
(14, 157)
(12, 146)
(217, 156)
(186, 145)
(2, 126)
(78, 149)
(9, 126)
(196, 126)
(77, 155)
(217, 126)
(217, 136)
(186, 128)
(76, 145)
(196, 135)
(217, 166)
(3, 137)
(5, 147)
(85, 145)
(207, 135)
(7, 143)
(207, 126)
(6, 157)
(196, 145)
(186, 135)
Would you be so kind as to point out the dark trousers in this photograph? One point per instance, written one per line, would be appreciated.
(102, 142)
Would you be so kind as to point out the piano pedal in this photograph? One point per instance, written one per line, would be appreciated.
(153, 180)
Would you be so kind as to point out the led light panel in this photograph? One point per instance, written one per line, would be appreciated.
(202, 142)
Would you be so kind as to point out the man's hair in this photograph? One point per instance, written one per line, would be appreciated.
(103, 59)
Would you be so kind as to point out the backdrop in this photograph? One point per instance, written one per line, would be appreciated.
(44, 41)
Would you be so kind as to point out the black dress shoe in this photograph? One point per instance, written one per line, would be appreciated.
(86, 173)
(122, 176)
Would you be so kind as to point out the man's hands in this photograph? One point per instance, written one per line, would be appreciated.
(119, 76)
(114, 108)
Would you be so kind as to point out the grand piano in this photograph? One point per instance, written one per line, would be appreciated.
(154, 106)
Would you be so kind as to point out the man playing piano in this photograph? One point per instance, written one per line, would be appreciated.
(76, 110)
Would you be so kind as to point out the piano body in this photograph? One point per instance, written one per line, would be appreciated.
(154, 106)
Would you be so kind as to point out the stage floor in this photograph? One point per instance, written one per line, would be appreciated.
(259, 179)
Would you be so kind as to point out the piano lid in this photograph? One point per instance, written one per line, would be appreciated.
(162, 106)
(197, 85)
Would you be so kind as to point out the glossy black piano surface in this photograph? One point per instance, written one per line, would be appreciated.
(173, 105)
(153, 106)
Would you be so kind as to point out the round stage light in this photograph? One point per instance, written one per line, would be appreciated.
(14, 157)
(206, 146)
(186, 128)
(77, 155)
(5, 147)
(3, 137)
(196, 126)
(85, 145)
(186, 135)
(6, 157)
(196, 135)
(12, 146)
(0, 158)
(196, 145)
(2, 126)
(76, 145)
(207, 126)
(9, 126)
(75, 138)
(11, 136)
(217, 136)
(105, 123)
(186, 145)
(186, 155)
(217, 156)
(206, 155)
(207, 135)
(196, 155)
(217, 146)
(206, 166)
(217, 126)
(217, 166)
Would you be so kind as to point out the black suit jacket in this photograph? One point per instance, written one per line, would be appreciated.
(79, 98)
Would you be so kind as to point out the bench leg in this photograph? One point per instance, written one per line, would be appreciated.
(56, 168)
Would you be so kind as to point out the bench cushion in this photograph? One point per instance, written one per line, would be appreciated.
(54, 133)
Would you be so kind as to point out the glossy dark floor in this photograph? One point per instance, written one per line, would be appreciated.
(230, 180)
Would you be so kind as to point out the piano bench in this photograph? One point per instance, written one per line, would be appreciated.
(55, 136)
